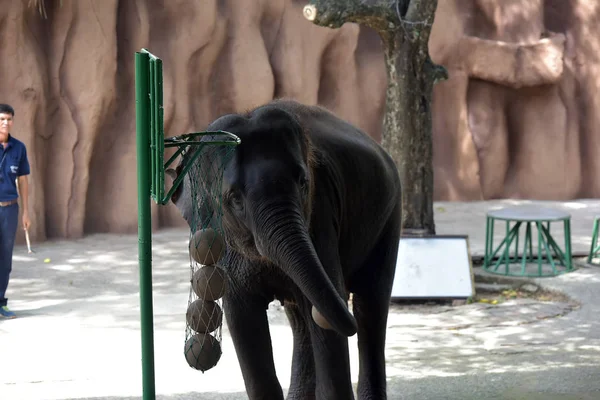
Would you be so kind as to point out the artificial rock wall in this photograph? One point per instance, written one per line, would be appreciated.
(516, 118)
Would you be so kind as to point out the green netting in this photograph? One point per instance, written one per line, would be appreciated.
(205, 161)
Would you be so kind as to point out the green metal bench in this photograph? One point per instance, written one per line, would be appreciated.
(548, 250)
(595, 247)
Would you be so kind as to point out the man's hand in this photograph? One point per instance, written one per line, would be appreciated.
(26, 221)
(23, 190)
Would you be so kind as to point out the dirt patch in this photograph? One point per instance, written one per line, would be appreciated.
(494, 290)
(524, 291)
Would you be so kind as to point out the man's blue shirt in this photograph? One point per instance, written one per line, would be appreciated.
(13, 163)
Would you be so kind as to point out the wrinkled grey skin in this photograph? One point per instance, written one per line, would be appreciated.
(311, 213)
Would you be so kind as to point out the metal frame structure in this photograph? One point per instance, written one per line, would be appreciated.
(150, 148)
(547, 248)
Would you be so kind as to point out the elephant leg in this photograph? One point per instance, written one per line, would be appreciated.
(302, 382)
(249, 328)
(332, 364)
(330, 349)
(370, 302)
(371, 317)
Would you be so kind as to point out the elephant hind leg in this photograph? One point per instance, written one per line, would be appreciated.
(302, 382)
(370, 304)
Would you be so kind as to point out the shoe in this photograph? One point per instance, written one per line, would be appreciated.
(6, 313)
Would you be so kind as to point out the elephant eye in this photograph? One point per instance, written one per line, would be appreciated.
(304, 185)
(235, 201)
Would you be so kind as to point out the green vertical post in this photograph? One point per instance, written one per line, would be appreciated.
(507, 248)
(568, 256)
(488, 243)
(142, 121)
(594, 248)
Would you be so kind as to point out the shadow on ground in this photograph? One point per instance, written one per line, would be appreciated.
(78, 333)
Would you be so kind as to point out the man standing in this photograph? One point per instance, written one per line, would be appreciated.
(14, 166)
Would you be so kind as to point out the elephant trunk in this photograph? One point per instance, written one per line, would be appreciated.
(281, 236)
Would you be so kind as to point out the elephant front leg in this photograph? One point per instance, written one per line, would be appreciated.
(330, 349)
(332, 364)
(302, 382)
(249, 328)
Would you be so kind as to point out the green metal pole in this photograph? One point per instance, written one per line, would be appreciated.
(142, 121)
(487, 243)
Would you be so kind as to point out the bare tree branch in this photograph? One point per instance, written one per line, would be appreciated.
(385, 16)
(377, 14)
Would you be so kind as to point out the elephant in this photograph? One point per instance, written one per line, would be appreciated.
(311, 215)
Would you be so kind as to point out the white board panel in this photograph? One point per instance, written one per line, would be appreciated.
(433, 267)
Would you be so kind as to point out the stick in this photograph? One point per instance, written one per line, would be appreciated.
(28, 242)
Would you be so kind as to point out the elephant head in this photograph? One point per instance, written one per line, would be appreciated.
(267, 193)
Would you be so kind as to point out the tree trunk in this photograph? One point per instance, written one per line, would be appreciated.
(407, 126)
(404, 27)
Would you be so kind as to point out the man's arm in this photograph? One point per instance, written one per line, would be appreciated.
(23, 187)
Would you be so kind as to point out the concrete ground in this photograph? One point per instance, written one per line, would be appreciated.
(78, 331)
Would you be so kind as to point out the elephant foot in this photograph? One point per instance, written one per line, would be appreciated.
(301, 395)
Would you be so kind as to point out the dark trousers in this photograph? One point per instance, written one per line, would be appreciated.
(9, 218)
